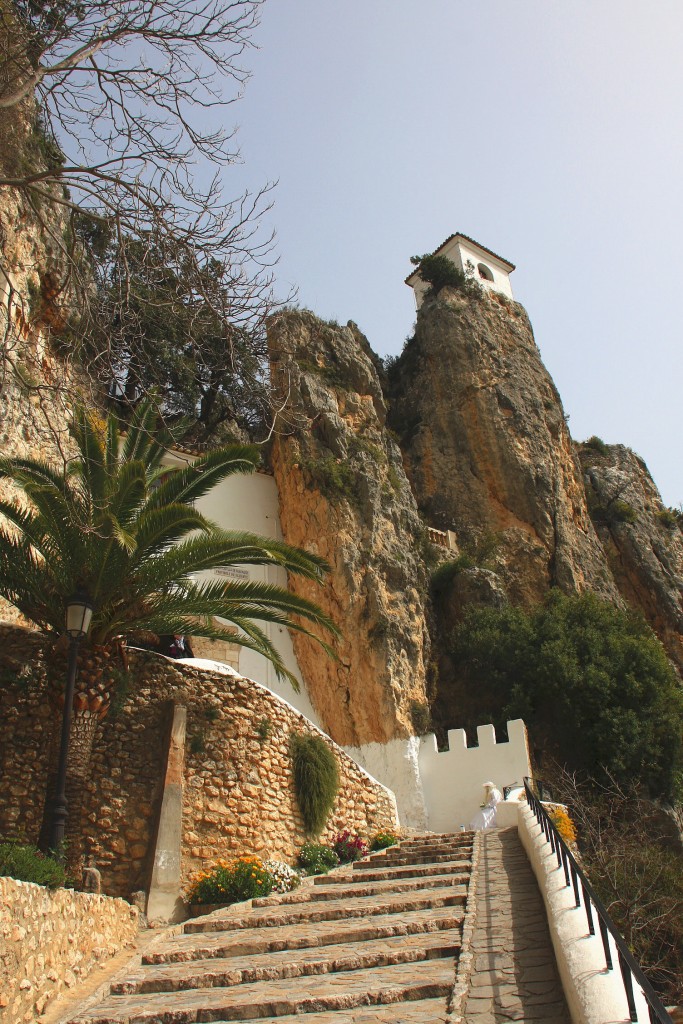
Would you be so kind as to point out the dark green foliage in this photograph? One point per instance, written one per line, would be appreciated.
(592, 683)
(264, 729)
(316, 779)
(597, 444)
(317, 859)
(332, 478)
(28, 864)
(439, 271)
(123, 526)
(612, 512)
(421, 717)
(446, 571)
(670, 518)
(174, 335)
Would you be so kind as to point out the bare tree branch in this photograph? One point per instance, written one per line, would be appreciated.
(126, 138)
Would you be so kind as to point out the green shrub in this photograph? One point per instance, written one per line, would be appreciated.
(439, 271)
(332, 478)
(611, 512)
(264, 729)
(316, 779)
(28, 864)
(447, 571)
(317, 859)
(670, 518)
(383, 839)
(231, 882)
(421, 717)
(597, 444)
(592, 682)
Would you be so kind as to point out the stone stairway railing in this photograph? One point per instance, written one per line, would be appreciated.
(378, 941)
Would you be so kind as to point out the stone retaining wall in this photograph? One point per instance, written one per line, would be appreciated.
(50, 940)
(238, 794)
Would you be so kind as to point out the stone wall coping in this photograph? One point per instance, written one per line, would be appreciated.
(187, 663)
(594, 994)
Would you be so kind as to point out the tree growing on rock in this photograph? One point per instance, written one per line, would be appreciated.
(120, 157)
(592, 682)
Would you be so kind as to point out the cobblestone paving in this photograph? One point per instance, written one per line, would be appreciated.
(514, 977)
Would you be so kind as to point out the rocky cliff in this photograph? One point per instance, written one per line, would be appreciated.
(487, 449)
(344, 495)
(642, 539)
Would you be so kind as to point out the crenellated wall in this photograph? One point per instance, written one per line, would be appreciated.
(453, 779)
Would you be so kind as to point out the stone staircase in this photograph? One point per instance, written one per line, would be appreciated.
(378, 941)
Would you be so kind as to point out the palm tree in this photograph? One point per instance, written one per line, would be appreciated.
(117, 523)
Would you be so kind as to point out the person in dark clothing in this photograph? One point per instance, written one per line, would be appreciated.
(176, 646)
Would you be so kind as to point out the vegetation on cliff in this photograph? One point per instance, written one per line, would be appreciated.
(592, 683)
(140, 272)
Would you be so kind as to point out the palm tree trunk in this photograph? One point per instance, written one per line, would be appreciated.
(94, 688)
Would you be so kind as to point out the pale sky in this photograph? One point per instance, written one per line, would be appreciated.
(550, 132)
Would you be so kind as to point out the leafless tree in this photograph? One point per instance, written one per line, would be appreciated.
(123, 105)
(632, 850)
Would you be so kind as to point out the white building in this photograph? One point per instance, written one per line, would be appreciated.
(475, 260)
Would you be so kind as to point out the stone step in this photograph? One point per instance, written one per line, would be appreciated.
(238, 970)
(410, 858)
(376, 875)
(455, 840)
(420, 851)
(252, 1001)
(251, 942)
(417, 1011)
(360, 888)
(335, 910)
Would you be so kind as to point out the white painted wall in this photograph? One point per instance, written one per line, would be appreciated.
(250, 502)
(501, 277)
(396, 765)
(452, 780)
(460, 251)
(594, 994)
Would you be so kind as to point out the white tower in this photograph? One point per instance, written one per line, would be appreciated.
(488, 269)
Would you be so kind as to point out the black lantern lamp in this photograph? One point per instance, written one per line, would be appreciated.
(79, 609)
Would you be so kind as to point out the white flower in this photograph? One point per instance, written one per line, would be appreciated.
(285, 878)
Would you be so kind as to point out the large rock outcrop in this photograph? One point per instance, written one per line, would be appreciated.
(487, 449)
(642, 539)
(344, 495)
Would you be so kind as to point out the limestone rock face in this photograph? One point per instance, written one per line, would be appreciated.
(345, 496)
(487, 449)
(642, 540)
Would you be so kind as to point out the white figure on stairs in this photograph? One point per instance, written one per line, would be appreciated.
(486, 816)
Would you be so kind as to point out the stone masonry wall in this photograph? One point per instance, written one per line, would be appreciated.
(49, 941)
(238, 794)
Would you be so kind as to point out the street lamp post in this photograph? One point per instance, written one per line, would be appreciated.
(79, 611)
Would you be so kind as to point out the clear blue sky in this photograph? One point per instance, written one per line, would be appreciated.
(549, 132)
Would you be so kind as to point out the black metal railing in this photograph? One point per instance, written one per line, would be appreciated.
(594, 908)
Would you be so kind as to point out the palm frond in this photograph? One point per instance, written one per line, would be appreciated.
(194, 481)
(117, 522)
